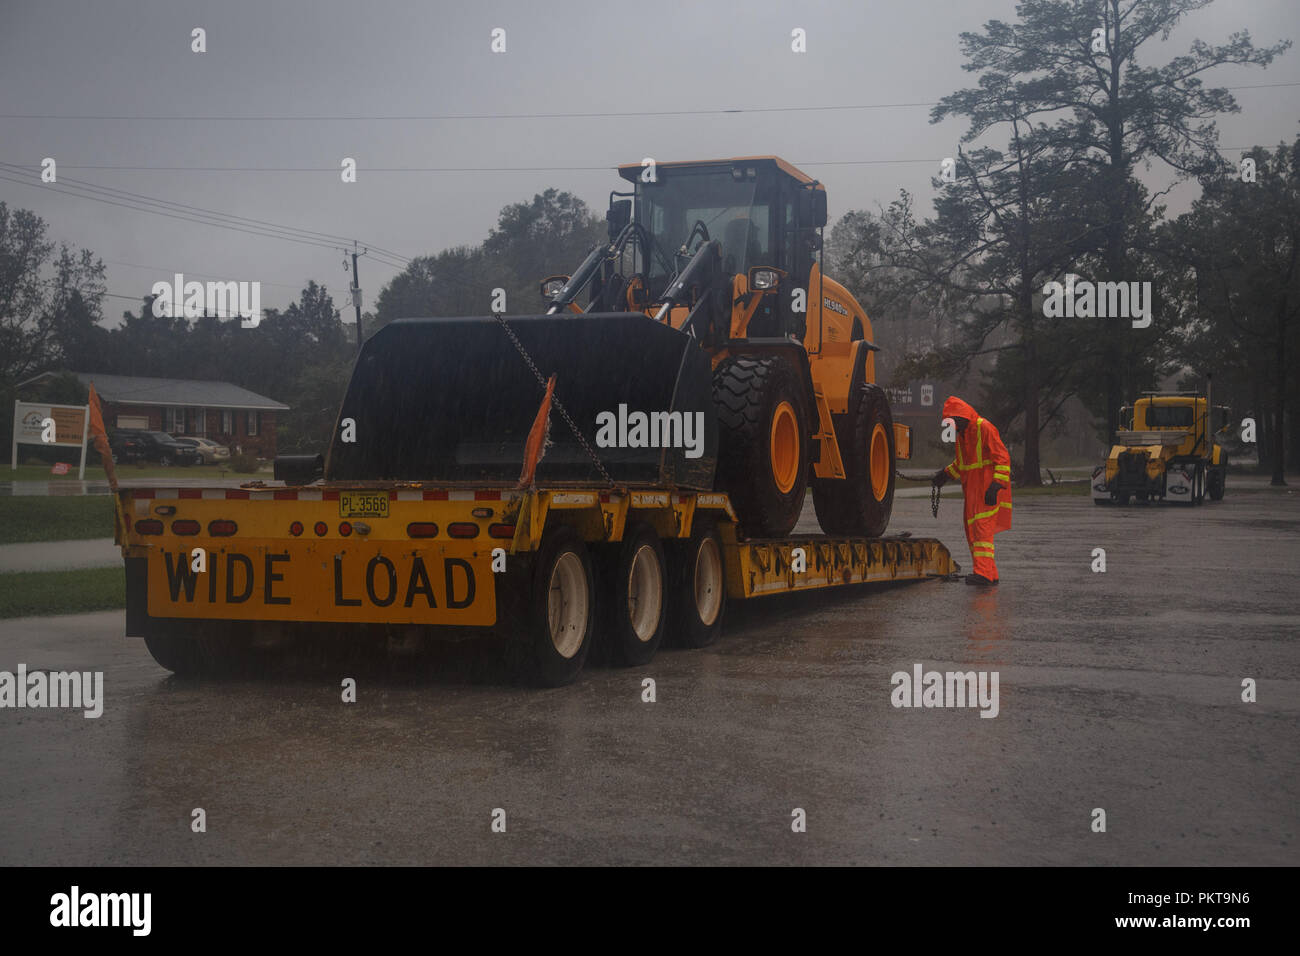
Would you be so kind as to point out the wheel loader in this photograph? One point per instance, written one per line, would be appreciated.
(708, 299)
(1169, 449)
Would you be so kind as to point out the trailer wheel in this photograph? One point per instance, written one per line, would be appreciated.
(561, 609)
(762, 442)
(189, 651)
(636, 579)
(697, 587)
(862, 501)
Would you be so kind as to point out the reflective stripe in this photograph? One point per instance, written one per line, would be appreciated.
(950, 472)
(987, 544)
(990, 513)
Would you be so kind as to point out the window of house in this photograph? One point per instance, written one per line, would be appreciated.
(227, 422)
(251, 423)
(199, 421)
(175, 421)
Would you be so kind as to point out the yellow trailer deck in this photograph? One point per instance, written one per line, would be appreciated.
(562, 567)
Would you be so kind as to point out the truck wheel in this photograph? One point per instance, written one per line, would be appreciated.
(697, 591)
(561, 608)
(860, 503)
(1218, 482)
(762, 443)
(1122, 499)
(636, 581)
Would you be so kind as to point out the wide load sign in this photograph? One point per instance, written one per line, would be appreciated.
(64, 425)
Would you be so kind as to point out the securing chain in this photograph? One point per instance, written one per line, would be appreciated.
(555, 400)
(935, 490)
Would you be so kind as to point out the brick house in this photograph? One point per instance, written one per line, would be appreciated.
(225, 413)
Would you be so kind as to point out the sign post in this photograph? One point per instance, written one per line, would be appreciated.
(36, 424)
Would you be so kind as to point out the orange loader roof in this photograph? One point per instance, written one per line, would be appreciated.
(788, 168)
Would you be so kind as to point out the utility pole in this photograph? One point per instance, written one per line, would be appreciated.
(356, 289)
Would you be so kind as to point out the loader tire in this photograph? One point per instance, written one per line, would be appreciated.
(697, 590)
(561, 612)
(763, 441)
(861, 502)
(635, 580)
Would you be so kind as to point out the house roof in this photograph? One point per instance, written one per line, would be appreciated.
(133, 390)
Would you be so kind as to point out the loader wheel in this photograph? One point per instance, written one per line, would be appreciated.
(561, 610)
(762, 443)
(697, 591)
(861, 502)
(636, 581)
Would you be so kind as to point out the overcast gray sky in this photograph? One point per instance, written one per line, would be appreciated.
(377, 58)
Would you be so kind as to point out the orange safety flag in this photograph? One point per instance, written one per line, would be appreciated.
(535, 447)
(100, 434)
(981, 459)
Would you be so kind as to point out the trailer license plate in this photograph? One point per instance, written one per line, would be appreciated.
(363, 504)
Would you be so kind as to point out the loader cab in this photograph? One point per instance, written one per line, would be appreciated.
(761, 211)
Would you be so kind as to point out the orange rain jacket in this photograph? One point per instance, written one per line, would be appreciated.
(981, 459)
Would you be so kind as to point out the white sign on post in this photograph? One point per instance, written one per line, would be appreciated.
(65, 425)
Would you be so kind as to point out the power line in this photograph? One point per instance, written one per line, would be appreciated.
(59, 188)
(144, 204)
(425, 117)
(167, 204)
(492, 169)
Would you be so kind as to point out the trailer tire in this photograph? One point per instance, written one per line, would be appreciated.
(860, 503)
(763, 441)
(697, 592)
(560, 618)
(636, 580)
(190, 652)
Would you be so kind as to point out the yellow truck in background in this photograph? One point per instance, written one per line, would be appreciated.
(1166, 449)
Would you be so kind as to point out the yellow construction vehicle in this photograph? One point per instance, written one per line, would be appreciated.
(728, 252)
(1167, 448)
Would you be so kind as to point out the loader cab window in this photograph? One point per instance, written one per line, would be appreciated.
(709, 200)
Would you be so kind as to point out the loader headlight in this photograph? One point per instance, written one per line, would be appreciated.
(764, 278)
(552, 285)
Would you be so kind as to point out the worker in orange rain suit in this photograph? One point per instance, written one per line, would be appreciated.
(984, 469)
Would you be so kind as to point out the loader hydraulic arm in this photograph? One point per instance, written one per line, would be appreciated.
(602, 255)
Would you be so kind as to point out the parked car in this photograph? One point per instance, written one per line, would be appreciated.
(210, 452)
(132, 445)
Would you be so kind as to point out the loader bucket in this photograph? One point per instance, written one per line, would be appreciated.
(452, 400)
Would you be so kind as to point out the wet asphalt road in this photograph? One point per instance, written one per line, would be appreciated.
(1119, 691)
